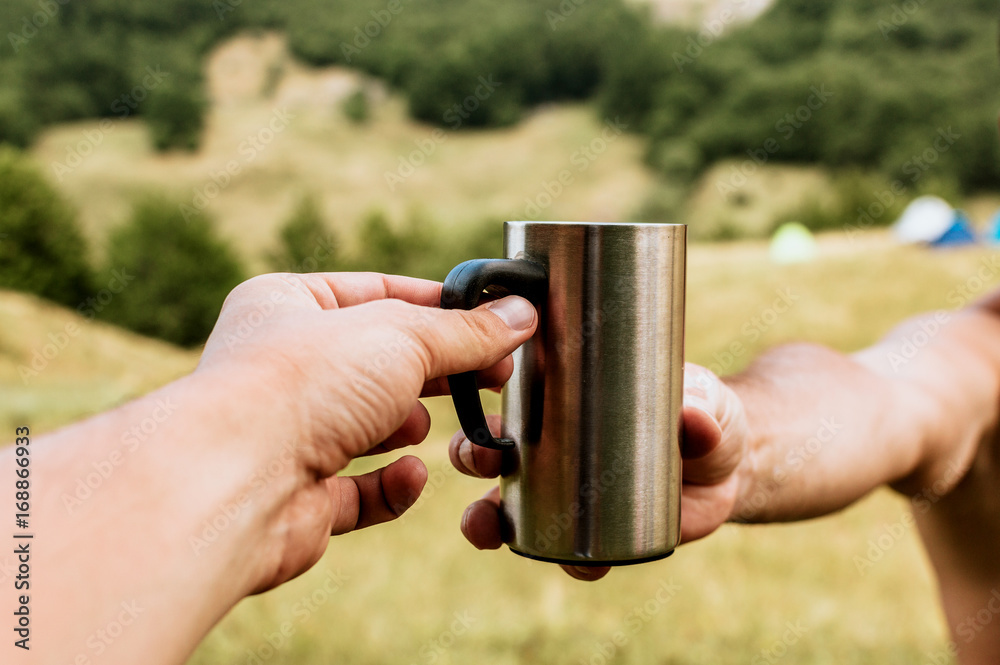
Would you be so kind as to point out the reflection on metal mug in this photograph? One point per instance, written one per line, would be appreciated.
(591, 471)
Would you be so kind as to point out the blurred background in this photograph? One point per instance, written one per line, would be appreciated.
(155, 153)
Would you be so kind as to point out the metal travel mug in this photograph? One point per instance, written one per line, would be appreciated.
(591, 471)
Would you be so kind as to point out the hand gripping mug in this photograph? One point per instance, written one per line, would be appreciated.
(591, 470)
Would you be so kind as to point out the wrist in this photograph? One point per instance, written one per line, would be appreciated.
(752, 490)
(253, 447)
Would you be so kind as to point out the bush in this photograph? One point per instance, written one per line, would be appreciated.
(355, 107)
(381, 248)
(305, 244)
(18, 125)
(175, 114)
(857, 196)
(181, 273)
(42, 250)
(420, 248)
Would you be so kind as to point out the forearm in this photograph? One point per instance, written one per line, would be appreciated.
(824, 430)
(146, 522)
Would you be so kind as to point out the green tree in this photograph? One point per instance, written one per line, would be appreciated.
(407, 251)
(182, 272)
(42, 250)
(304, 242)
(175, 113)
(356, 108)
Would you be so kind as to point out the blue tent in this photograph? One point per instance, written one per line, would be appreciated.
(932, 221)
(992, 233)
(958, 233)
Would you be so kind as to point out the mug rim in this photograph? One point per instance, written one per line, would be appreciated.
(626, 224)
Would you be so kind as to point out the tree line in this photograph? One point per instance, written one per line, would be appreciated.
(892, 75)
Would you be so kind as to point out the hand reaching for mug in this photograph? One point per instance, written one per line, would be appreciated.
(229, 481)
(713, 446)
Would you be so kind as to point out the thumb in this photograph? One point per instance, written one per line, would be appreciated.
(463, 341)
(715, 428)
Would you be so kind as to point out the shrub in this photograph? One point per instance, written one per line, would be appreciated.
(355, 107)
(18, 125)
(175, 114)
(305, 244)
(856, 195)
(420, 248)
(384, 249)
(42, 250)
(181, 273)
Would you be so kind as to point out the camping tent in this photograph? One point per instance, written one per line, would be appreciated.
(992, 232)
(933, 221)
(792, 243)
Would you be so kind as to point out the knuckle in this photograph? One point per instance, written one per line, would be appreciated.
(479, 326)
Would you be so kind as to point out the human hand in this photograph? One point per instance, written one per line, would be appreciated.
(348, 355)
(714, 447)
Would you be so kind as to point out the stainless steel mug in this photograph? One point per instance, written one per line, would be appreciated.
(591, 471)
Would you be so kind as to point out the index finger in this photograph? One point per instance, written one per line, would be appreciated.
(345, 289)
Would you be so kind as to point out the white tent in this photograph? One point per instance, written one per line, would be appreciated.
(924, 221)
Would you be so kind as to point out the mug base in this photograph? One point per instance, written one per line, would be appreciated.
(592, 564)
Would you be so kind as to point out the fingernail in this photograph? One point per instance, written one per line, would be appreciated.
(516, 312)
(465, 455)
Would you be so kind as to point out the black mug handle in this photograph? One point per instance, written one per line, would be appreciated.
(463, 289)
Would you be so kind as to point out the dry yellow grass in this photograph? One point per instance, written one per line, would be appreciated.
(56, 366)
(405, 583)
(469, 176)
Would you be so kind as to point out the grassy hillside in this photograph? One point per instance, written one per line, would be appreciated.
(738, 590)
(467, 176)
(56, 366)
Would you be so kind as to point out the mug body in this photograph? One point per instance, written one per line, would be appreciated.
(594, 403)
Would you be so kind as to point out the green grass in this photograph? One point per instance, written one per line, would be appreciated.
(467, 177)
(738, 589)
(406, 581)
